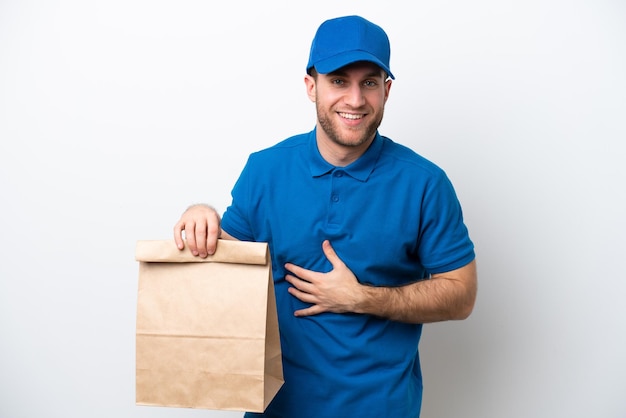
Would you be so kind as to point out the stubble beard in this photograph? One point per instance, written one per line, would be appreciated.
(333, 132)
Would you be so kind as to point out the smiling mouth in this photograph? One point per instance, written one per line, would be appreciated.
(350, 116)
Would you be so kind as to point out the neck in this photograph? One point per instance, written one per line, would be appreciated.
(337, 154)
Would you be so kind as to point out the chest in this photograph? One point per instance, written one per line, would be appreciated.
(373, 225)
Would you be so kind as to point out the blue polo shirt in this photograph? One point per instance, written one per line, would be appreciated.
(393, 218)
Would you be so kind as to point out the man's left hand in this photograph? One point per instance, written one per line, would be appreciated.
(336, 291)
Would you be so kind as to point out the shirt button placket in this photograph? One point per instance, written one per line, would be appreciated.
(334, 216)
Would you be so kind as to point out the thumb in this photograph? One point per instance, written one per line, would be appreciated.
(331, 255)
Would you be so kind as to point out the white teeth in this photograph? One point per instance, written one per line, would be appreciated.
(350, 116)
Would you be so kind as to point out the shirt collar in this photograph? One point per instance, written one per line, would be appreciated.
(359, 169)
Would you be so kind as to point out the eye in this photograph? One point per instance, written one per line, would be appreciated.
(337, 81)
(370, 83)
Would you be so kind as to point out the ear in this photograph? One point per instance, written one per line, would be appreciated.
(387, 89)
(310, 87)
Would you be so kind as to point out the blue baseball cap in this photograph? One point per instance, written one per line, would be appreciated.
(345, 40)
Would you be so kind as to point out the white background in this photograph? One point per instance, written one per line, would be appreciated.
(116, 115)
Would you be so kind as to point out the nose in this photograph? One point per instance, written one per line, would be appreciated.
(354, 96)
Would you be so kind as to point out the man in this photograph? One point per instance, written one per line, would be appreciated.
(367, 240)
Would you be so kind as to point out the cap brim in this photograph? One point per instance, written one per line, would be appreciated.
(341, 60)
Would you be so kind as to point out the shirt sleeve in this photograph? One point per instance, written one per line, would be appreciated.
(236, 220)
(444, 242)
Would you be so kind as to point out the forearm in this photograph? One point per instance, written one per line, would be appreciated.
(441, 298)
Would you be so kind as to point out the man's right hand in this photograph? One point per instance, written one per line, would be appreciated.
(201, 226)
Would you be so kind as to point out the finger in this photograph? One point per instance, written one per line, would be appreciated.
(331, 255)
(298, 271)
(312, 310)
(300, 284)
(303, 296)
(212, 235)
(200, 239)
(190, 235)
(178, 235)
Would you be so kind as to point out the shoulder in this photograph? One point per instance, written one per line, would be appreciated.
(278, 158)
(405, 159)
(291, 144)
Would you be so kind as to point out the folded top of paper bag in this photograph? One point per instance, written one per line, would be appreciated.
(228, 251)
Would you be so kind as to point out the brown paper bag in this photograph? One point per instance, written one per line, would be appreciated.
(207, 329)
